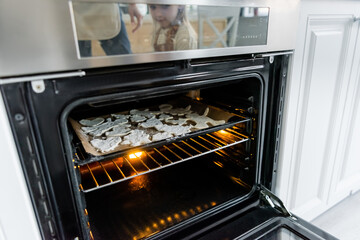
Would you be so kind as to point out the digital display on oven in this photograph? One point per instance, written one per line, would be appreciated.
(103, 29)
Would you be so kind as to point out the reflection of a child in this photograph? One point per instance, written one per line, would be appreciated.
(120, 43)
(172, 29)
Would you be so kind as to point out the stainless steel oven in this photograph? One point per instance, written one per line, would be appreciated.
(148, 144)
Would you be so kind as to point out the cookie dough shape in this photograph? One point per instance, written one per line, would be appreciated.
(165, 117)
(106, 145)
(151, 123)
(175, 130)
(137, 118)
(165, 107)
(161, 136)
(92, 122)
(120, 116)
(99, 130)
(136, 138)
(120, 121)
(145, 113)
(203, 121)
(119, 131)
(178, 111)
(180, 121)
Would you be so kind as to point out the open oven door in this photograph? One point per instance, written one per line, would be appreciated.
(261, 216)
(266, 219)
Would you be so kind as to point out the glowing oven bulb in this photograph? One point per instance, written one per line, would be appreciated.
(135, 155)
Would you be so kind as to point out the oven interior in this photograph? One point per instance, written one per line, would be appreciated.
(141, 191)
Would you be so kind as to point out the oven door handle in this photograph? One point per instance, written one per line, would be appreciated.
(275, 202)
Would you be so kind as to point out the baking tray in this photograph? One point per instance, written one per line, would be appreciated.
(196, 107)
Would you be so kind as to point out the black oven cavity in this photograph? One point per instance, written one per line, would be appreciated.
(141, 190)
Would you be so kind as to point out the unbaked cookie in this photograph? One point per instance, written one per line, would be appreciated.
(92, 122)
(145, 113)
(164, 107)
(165, 117)
(120, 116)
(104, 127)
(106, 145)
(178, 111)
(180, 121)
(99, 129)
(119, 131)
(161, 136)
(202, 121)
(174, 129)
(137, 118)
(120, 121)
(151, 123)
(136, 138)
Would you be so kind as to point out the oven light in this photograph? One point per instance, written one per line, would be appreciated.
(184, 213)
(135, 155)
(223, 132)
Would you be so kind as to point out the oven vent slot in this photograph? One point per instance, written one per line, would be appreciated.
(97, 175)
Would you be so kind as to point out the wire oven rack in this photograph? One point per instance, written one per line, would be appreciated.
(96, 175)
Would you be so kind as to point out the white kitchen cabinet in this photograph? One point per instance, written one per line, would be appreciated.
(319, 161)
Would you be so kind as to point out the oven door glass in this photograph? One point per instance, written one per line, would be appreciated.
(282, 233)
(265, 223)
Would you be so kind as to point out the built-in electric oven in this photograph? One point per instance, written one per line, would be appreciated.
(181, 144)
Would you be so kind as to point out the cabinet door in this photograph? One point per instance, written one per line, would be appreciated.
(346, 174)
(314, 114)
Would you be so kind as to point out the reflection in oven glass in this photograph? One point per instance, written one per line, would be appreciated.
(107, 28)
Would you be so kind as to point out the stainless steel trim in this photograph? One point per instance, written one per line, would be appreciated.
(275, 202)
(274, 54)
(38, 37)
(243, 3)
(241, 69)
(4, 81)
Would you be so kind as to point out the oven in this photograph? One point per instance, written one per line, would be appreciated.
(153, 145)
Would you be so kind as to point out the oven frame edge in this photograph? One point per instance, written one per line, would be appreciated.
(35, 139)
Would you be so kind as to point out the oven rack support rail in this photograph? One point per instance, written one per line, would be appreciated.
(101, 174)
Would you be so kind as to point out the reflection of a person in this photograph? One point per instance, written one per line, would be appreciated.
(120, 43)
(172, 28)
